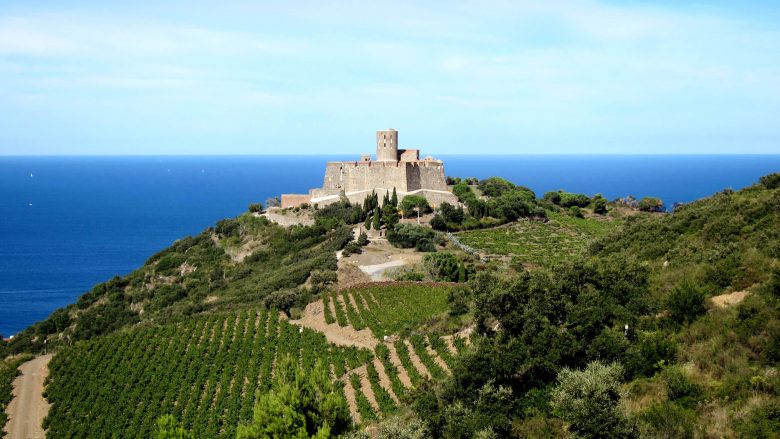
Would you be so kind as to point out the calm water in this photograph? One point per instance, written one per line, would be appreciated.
(67, 223)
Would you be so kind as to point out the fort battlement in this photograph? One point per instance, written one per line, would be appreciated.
(402, 170)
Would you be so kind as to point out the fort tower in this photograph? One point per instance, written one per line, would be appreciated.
(387, 145)
(396, 169)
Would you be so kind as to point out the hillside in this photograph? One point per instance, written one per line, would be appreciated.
(608, 324)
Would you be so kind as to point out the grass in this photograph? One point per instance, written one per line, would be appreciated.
(538, 242)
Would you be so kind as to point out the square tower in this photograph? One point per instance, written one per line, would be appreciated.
(387, 145)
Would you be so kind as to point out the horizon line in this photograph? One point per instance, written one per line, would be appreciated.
(680, 154)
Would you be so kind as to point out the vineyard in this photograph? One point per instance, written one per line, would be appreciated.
(538, 242)
(208, 372)
(387, 308)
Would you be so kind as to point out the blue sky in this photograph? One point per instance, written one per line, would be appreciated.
(500, 77)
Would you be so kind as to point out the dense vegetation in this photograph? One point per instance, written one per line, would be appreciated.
(624, 342)
(206, 372)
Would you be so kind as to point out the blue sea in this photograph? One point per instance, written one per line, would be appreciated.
(68, 223)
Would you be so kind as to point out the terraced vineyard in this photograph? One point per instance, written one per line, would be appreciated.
(538, 242)
(391, 308)
(206, 372)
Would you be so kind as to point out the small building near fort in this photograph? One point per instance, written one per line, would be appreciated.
(393, 168)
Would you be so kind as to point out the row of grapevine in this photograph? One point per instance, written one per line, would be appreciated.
(389, 308)
(419, 344)
(207, 372)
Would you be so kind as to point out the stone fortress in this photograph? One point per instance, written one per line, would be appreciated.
(399, 169)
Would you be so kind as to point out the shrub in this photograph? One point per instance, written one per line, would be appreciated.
(451, 214)
(255, 207)
(679, 386)
(651, 204)
(301, 401)
(495, 186)
(576, 212)
(764, 421)
(686, 302)
(667, 420)
(599, 205)
(227, 228)
(444, 267)
(459, 300)
(771, 181)
(352, 248)
(169, 262)
(650, 354)
(362, 239)
(589, 401)
(412, 204)
(412, 236)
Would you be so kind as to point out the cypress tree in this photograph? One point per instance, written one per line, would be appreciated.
(394, 198)
(376, 219)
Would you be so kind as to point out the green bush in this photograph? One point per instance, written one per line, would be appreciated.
(412, 236)
(679, 387)
(764, 421)
(444, 267)
(599, 205)
(668, 420)
(686, 302)
(771, 181)
(255, 207)
(589, 400)
(459, 300)
(651, 204)
(650, 354)
(411, 204)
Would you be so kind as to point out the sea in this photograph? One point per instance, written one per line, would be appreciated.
(70, 222)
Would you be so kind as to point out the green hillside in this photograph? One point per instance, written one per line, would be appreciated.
(621, 324)
(238, 262)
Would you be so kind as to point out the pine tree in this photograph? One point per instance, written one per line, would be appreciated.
(394, 198)
(376, 219)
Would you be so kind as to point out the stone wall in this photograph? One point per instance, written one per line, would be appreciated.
(292, 200)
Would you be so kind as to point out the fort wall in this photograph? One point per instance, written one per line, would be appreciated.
(401, 170)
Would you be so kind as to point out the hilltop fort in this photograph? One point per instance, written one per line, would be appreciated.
(399, 169)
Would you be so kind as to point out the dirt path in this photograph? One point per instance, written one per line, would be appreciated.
(349, 393)
(377, 271)
(436, 358)
(384, 380)
(28, 407)
(396, 361)
(314, 318)
(416, 360)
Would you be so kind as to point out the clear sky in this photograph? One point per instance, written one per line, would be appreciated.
(310, 77)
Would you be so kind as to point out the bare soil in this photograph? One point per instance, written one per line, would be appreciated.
(402, 374)
(28, 406)
(384, 380)
(349, 392)
(439, 361)
(416, 361)
(725, 300)
(313, 317)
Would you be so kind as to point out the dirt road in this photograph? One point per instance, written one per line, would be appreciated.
(28, 407)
